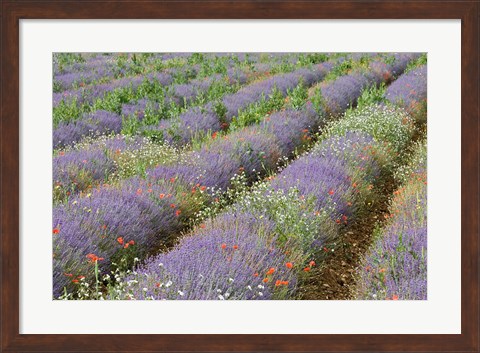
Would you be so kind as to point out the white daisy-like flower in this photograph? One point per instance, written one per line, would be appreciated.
(181, 293)
(260, 294)
(168, 284)
(221, 297)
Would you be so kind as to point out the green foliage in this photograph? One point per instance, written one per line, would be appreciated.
(66, 112)
(422, 60)
(339, 70)
(298, 96)
(257, 111)
(67, 59)
(130, 125)
(311, 58)
(371, 95)
(317, 100)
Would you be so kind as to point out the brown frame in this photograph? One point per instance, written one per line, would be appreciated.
(12, 11)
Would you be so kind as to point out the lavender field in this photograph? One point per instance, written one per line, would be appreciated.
(235, 176)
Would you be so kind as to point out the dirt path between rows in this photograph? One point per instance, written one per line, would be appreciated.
(335, 278)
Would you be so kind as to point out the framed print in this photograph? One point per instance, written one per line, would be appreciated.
(246, 176)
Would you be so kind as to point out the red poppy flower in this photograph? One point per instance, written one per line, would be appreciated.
(224, 246)
(306, 269)
(312, 263)
(289, 265)
(265, 280)
(270, 271)
(56, 230)
(331, 192)
(120, 240)
(235, 247)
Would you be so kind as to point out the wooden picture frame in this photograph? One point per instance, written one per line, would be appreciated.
(13, 11)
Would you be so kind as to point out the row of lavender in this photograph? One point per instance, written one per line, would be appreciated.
(105, 222)
(261, 246)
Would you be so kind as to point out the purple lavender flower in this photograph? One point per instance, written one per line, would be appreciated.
(220, 262)
(249, 151)
(100, 122)
(76, 170)
(104, 223)
(282, 82)
(292, 128)
(410, 92)
(339, 95)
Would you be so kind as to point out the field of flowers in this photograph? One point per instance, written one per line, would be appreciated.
(239, 176)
